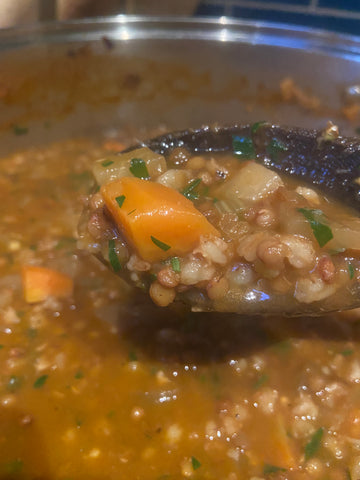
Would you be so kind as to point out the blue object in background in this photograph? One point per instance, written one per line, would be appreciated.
(338, 15)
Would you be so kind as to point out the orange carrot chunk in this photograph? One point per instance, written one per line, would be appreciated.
(156, 220)
(39, 283)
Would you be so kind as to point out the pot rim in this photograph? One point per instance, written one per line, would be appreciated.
(223, 29)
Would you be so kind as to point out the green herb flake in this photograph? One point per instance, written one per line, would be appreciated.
(284, 346)
(132, 356)
(153, 277)
(314, 444)
(132, 211)
(40, 382)
(276, 147)
(66, 242)
(261, 381)
(14, 383)
(175, 264)
(195, 463)
(113, 258)
(189, 191)
(351, 271)
(14, 467)
(160, 244)
(269, 469)
(347, 352)
(2, 346)
(20, 130)
(215, 200)
(79, 422)
(78, 375)
(316, 219)
(107, 163)
(139, 169)
(120, 200)
(32, 332)
(81, 181)
(111, 414)
(243, 148)
(255, 126)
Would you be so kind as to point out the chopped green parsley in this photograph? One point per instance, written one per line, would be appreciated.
(20, 130)
(195, 463)
(14, 467)
(317, 221)
(255, 126)
(175, 263)
(189, 191)
(139, 169)
(40, 382)
(347, 352)
(261, 381)
(107, 163)
(66, 242)
(243, 148)
(269, 469)
(275, 147)
(351, 271)
(113, 258)
(120, 200)
(314, 444)
(160, 244)
(132, 356)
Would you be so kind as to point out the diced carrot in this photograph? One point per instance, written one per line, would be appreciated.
(158, 221)
(40, 283)
(275, 446)
(114, 146)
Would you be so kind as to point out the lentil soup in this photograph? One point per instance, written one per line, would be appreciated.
(99, 383)
(223, 231)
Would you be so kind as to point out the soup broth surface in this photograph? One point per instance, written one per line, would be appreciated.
(106, 385)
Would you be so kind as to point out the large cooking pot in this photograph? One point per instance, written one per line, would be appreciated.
(99, 384)
(83, 76)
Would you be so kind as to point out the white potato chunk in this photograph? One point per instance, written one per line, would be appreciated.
(113, 167)
(346, 234)
(176, 179)
(251, 183)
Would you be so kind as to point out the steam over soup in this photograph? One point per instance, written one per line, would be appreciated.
(99, 383)
(220, 231)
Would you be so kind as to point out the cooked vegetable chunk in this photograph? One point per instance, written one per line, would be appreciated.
(141, 163)
(245, 239)
(158, 221)
(251, 183)
(39, 283)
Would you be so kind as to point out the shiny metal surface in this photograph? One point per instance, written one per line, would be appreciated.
(240, 63)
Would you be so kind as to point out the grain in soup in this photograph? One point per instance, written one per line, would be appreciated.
(98, 382)
(220, 231)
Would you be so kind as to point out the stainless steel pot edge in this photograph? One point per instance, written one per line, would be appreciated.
(223, 29)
